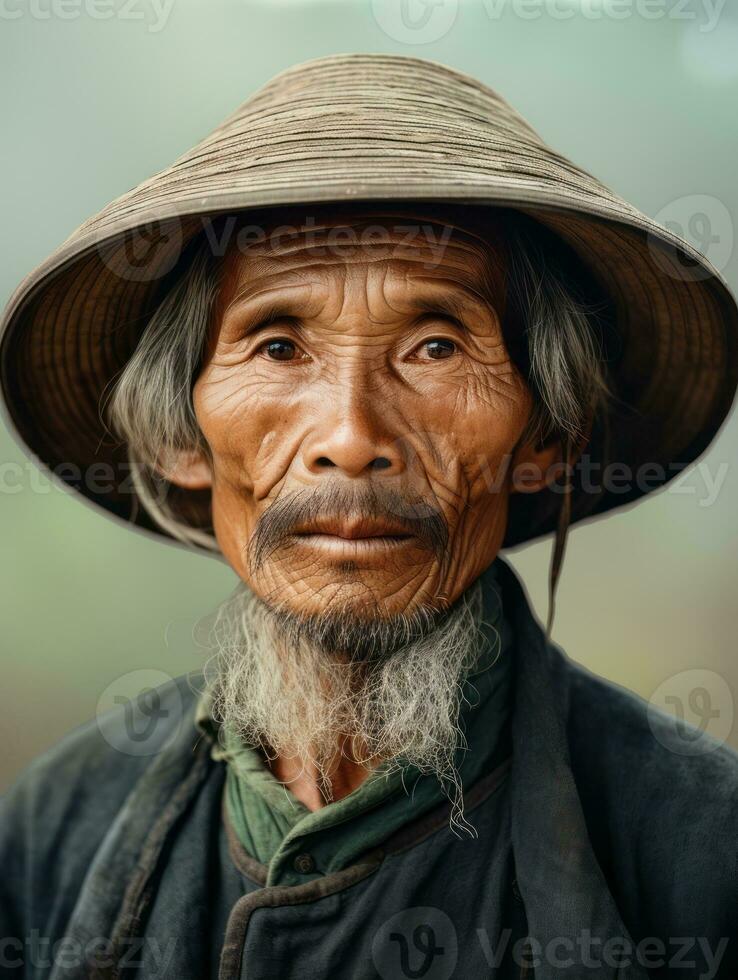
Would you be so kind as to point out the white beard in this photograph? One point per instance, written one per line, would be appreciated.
(276, 682)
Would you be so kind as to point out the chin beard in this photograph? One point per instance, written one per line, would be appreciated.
(348, 632)
(308, 687)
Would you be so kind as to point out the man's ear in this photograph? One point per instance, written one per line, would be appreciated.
(189, 469)
(537, 463)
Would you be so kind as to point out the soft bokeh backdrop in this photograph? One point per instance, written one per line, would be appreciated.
(644, 95)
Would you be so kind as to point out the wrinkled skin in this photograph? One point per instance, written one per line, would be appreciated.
(384, 366)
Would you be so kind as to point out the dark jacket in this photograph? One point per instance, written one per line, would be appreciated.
(623, 856)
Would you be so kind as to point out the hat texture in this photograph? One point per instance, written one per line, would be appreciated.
(364, 127)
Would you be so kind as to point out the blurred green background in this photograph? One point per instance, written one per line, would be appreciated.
(643, 95)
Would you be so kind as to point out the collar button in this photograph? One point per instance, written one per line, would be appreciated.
(304, 864)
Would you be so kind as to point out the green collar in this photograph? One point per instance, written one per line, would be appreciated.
(297, 844)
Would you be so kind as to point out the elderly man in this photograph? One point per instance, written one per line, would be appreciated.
(361, 339)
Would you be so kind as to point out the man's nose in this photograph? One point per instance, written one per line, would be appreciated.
(353, 442)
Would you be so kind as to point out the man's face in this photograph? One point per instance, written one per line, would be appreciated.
(362, 412)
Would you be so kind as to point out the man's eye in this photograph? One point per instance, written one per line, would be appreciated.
(280, 350)
(439, 348)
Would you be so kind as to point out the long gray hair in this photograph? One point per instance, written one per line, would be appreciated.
(552, 329)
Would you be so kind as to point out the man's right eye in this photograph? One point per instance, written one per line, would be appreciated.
(279, 349)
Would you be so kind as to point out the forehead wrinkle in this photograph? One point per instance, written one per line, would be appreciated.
(441, 294)
(461, 245)
(463, 225)
(328, 297)
(361, 296)
(334, 286)
(381, 308)
(458, 287)
(268, 301)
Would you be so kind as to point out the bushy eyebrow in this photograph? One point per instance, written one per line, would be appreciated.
(457, 306)
(448, 303)
(260, 312)
(263, 311)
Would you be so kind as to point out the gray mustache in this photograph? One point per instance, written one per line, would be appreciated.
(414, 516)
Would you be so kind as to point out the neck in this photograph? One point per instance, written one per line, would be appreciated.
(315, 788)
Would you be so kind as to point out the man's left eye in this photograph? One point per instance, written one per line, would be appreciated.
(439, 347)
(280, 349)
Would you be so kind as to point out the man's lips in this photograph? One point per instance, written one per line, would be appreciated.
(353, 529)
(343, 523)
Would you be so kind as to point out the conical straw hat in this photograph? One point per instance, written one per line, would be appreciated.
(360, 127)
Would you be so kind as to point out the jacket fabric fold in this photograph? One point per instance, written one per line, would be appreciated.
(602, 852)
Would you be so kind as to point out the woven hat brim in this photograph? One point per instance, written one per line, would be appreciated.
(73, 323)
